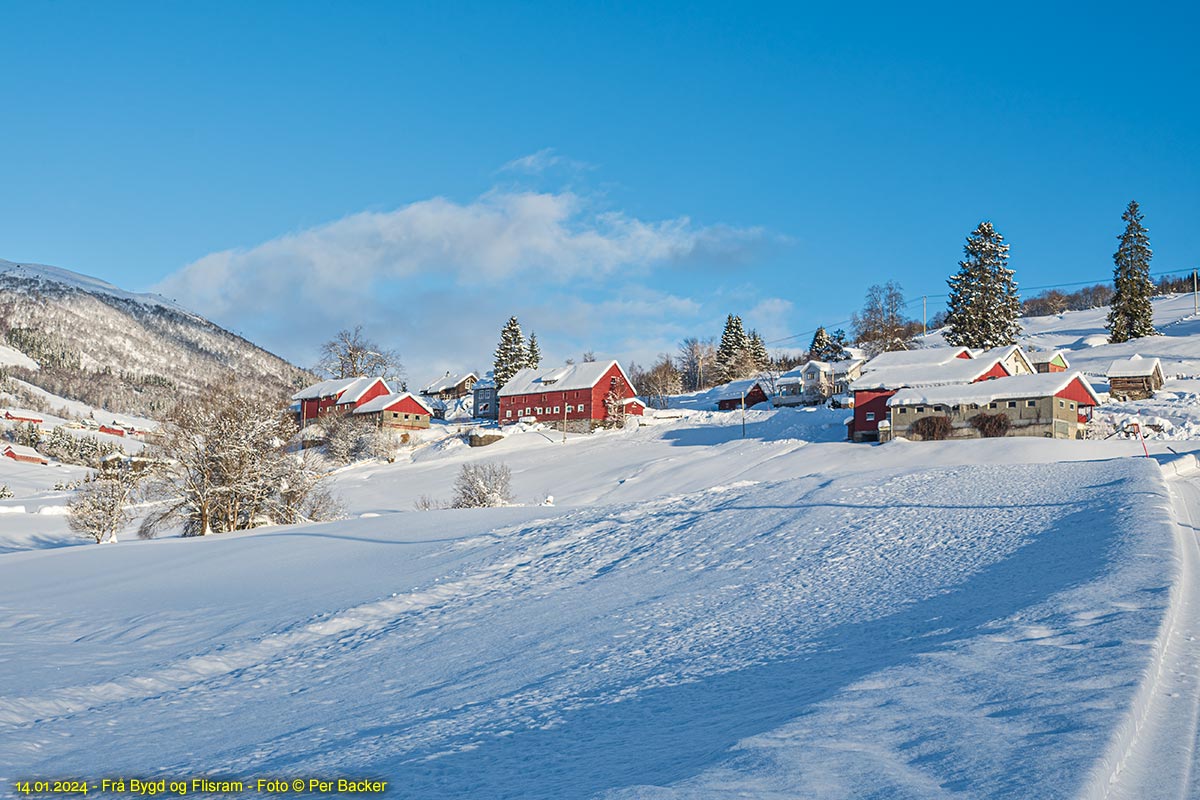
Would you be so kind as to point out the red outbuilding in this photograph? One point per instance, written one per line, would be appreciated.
(11, 417)
(400, 410)
(26, 455)
(112, 430)
(573, 395)
(731, 395)
(339, 396)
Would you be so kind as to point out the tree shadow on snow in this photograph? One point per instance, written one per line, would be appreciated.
(665, 735)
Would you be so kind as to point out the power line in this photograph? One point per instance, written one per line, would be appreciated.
(918, 299)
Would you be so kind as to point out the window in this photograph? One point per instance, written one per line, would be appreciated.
(1072, 406)
(992, 405)
(1061, 404)
(556, 408)
(920, 409)
(955, 407)
(1012, 403)
(903, 410)
(870, 416)
(406, 416)
(538, 410)
(508, 414)
(569, 409)
(1031, 403)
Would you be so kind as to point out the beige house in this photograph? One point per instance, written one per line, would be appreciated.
(815, 382)
(1052, 405)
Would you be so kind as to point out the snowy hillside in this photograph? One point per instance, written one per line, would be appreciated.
(116, 349)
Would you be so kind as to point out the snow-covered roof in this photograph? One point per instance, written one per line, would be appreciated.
(347, 390)
(383, 402)
(956, 370)
(1004, 352)
(22, 450)
(1134, 367)
(447, 382)
(559, 379)
(1046, 356)
(925, 357)
(1018, 387)
(735, 389)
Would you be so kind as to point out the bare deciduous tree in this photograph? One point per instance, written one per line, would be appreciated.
(349, 354)
(221, 464)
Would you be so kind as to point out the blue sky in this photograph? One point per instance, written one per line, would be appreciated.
(617, 175)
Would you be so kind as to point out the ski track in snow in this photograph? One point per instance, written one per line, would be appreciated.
(903, 633)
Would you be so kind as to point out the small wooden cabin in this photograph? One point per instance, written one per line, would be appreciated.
(1136, 378)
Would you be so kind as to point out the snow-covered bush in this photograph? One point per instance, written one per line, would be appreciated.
(483, 486)
(101, 506)
(5, 492)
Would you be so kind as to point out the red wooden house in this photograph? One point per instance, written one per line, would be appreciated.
(731, 395)
(11, 417)
(26, 455)
(889, 372)
(339, 396)
(112, 430)
(400, 410)
(573, 395)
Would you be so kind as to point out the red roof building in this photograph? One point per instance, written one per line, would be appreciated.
(573, 395)
(400, 410)
(26, 455)
(339, 396)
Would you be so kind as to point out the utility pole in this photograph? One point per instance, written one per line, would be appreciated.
(564, 417)
(1195, 297)
(924, 316)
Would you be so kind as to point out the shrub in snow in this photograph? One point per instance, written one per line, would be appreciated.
(101, 506)
(991, 426)
(933, 429)
(5, 492)
(482, 486)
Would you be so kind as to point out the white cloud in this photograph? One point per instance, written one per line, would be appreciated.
(542, 161)
(437, 278)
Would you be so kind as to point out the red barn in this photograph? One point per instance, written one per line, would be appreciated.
(340, 396)
(400, 410)
(573, 395)
(889, 372)
(731, 395)
(26, 455)
(11, 417)
(112, 430)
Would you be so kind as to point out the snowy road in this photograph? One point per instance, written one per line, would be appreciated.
(1153, 756)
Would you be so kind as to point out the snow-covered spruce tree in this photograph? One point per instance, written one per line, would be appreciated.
(511, 356)
(731, 361)
(758, 352)
(100, 508)
(1131, 316)
(533, 357)
(819, 347)
(983, 307)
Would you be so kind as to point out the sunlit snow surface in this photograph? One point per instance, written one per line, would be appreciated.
(903, 632)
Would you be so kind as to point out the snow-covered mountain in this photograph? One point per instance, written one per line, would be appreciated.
(116, 349)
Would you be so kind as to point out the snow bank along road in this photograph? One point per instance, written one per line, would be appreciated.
(972, 630)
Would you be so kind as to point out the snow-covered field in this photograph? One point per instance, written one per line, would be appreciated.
(699, 613)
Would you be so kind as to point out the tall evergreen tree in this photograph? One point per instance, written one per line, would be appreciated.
(533, 357)
(983, 308)
(825, 347)
(1131, 316)
(732, 349)
(511, 355)
(757, 350)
